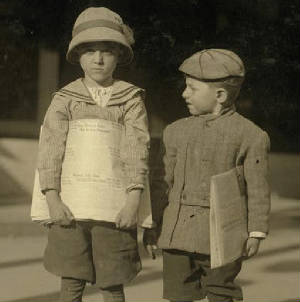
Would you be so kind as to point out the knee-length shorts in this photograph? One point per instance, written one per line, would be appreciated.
(97, 252)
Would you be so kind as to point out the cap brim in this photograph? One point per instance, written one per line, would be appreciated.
(100, 34)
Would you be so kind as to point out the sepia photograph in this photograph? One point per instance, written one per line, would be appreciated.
(149, 151)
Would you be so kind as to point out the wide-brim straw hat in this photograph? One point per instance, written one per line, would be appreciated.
(99, 24)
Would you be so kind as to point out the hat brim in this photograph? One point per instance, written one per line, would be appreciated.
(100, 34)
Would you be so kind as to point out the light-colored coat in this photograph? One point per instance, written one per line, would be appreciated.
(195, 149)
(73, 102)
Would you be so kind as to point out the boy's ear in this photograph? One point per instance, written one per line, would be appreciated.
(221, 95)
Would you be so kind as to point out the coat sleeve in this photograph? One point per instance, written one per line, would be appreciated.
(162, 175)
(169, 158)
(52, 144)
(256, 177)
(136, 143)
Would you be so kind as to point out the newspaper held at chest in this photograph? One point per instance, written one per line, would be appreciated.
(93, 179)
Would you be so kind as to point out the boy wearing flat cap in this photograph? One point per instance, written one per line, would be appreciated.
(213, 140)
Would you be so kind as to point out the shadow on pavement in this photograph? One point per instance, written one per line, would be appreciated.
(20, 262)
(284, 172)
(283, 267)
(5, 153)
(243, 282)
(146, 278)
(277, 251)
(52, 297)
(285, 219)
(10, 189)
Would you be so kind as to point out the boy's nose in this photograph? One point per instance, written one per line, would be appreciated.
(98, 56)
(184, 94)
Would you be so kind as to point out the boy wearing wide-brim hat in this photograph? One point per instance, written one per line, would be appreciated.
(213, 140)
(100, 252)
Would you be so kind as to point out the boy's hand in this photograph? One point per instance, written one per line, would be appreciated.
(127, 218)
(59, 213)
(149, 241)
(251, 247)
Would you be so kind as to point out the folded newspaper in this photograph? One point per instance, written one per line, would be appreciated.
(228, 218)
(93, 179)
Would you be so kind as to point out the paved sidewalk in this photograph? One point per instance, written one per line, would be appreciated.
(272, 276)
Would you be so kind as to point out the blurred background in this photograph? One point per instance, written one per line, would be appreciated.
(265, 33)
(34, 36)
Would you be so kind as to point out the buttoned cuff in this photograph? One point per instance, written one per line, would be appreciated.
(260, 235)
(49, 181)
(147, 225)
(134, 187)
(48, 189)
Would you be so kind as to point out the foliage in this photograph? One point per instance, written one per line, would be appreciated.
(264, 33)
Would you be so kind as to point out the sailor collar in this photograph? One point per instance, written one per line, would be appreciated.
(78, 91)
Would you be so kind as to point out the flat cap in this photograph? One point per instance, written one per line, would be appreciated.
(213, 64)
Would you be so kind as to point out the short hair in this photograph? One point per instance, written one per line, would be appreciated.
(232, 85)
